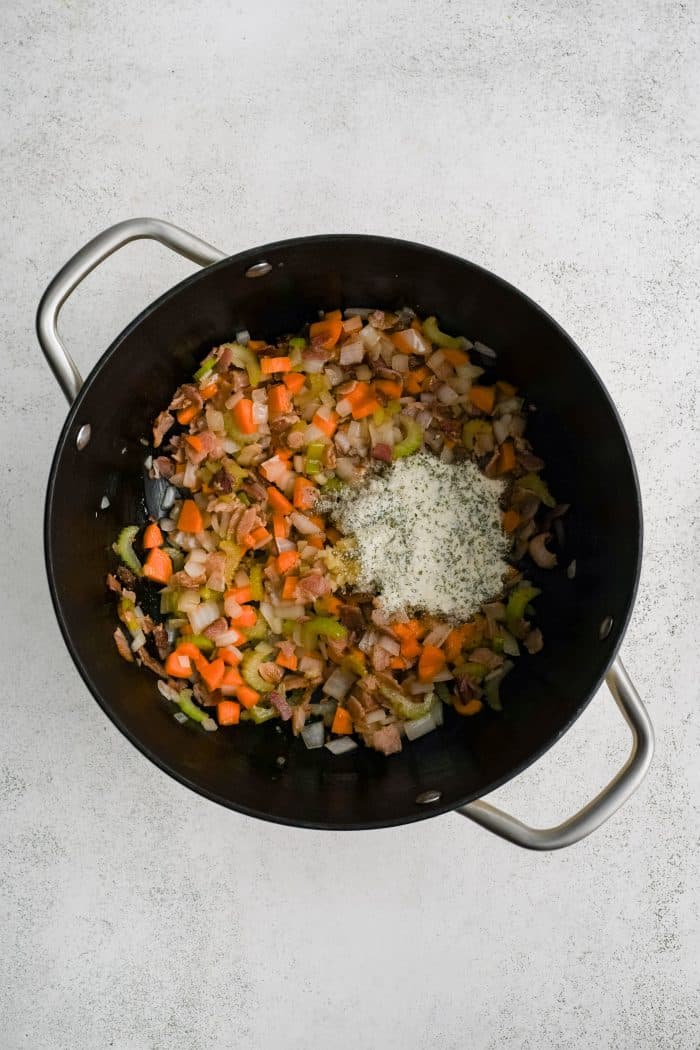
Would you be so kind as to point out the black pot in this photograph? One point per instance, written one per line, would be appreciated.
(261, 771)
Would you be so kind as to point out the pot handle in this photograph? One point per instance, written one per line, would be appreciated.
(83, 262)
(602, 807)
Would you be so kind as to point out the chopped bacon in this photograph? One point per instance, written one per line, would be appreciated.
(164, 421)
(123, 647)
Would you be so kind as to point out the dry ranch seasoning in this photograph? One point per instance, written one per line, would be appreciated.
(428, 535)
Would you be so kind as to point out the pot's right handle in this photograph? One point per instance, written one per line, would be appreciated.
(83, 262)
(595, 813)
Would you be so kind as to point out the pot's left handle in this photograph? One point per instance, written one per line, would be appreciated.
(83, 262)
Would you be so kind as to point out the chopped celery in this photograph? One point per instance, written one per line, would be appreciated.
(128, 616)
(470, 430)
(205, 644)
(249, 668)
(535, 484)
(392, 407)
(318, 383)
(168, 601)
(176, 556)
(184, 702)
(471, 670)
(413, 437)
(332, 485)
(288, 628)
(497, 643)
(244, 499)
(315, 449)
(258, 631)
(378, 416)
(354, 662)
(518, 600)
(256, 582)
(433, 333)
(312, 466)
(258, 714)
(125, 549)
(206, 594)
(244, 358)
(233, 553)
(204, 368)
(443, 692)
(401, 705)
(321, 625)
(298, 342)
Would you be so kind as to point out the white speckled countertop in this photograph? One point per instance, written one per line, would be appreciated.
(555, 143)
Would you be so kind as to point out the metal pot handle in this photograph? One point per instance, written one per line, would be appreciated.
(83, 262)
(602, 807)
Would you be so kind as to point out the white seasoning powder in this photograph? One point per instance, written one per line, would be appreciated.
(429, 536)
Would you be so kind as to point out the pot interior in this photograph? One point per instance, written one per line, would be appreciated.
(261, 770)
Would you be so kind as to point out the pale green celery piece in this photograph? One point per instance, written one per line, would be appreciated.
(433, 333)
(124, 548)
(413, 438)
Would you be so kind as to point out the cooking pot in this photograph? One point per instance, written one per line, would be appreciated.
(262, 771)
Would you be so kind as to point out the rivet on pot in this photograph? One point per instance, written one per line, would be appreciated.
(426, 797)
(82, 439)
(605, 628)
(260, 269)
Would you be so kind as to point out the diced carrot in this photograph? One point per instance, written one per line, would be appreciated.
(289, 588)
(294, 381)
(483, 397)
(247, 696)
(208, 391)
(391, 388)
(212, 673)
(186, 415)
(471, 707)
(269, 365)
(326, 332)
(352, 324)
(331, 604)
(342, 722)
(190, 519)
(260, 536)
(458, 637)
(178, 665)
(432, 661)
(316, 541)
(247, 618)
(229, 657)
(280, 526)
(242, 595)
(506, 457)
(195, 442)
(507, 389)
(333, 315)
(286, 561)
(278, 400)
(228, 712)
(456, 357)
(358, 393)
(240, 638)
(510, 521)
(413, 383)
(189, 650)
(305, 493)
(256, 344)
(243, 415)
(366, 408)
(326, 426)
(290, 662)
(397, 663)
(152, 537)
(278, 501)
(232, 677)
(158, 566)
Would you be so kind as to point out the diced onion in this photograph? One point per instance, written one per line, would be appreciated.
(418, 727)
(313, 735)
(339, 683)
(138, 642)
(352, 353)
(243, 337)
(484, 350)
(179, 716)
(303, 524)
(203, 615)
(342, 745)
(259, 412)
(169, 497)
(227, 638)
(104, 503)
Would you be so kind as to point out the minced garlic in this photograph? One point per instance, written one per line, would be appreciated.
(428, 536)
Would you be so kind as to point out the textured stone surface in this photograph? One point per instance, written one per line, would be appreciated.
(557, 144)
